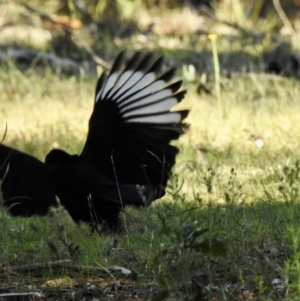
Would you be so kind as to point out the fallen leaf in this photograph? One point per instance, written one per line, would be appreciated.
(66, 282)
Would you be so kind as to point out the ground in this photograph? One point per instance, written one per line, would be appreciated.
(228, 228)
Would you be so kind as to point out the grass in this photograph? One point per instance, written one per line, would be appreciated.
(228, 227)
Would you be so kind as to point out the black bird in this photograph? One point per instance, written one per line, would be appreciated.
(127, 157)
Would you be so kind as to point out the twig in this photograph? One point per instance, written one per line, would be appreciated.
(282, 15)
(32, 294)
(66, 264)
(28, 267)
(5, 132)
(98, 60)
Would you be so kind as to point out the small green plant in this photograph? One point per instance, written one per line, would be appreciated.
(186, 248)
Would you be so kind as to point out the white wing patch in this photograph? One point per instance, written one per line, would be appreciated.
(139, 85)
(141, 96)
(151, 89)
(157, 99)
(162, 118)
(109, 84)
(159, 107)
(121, 81)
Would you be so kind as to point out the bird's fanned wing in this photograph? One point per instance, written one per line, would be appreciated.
(132, 124)
(126, 160)
(26, 183)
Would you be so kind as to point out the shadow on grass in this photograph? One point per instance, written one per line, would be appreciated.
(192, 250)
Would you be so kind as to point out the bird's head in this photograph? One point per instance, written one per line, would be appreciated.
(58, 156)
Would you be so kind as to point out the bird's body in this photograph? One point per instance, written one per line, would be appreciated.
(126, 160)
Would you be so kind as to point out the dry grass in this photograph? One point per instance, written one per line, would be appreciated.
(236, 180)
(232, 164)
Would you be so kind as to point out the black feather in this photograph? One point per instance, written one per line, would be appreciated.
(127, 158)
